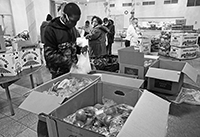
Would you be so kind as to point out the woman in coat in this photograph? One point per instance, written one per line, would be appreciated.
(97, 38)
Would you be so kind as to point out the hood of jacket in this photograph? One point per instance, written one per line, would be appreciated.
(57, 24)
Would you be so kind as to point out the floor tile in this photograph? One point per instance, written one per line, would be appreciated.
(3, 103)
(34, 127)
(19, 89)
(19, 113)
(4, 120)
(12, 129)
(12, 94)
(17, 101)
(29, 120)
(27, 133)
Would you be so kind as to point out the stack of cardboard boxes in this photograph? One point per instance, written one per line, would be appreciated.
(183, 41)
(20, 55)
(183, 45)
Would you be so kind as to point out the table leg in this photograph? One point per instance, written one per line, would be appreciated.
(9, 100)
(32, 82)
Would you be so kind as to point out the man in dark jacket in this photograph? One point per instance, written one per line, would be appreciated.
(60, 47)
(60, 38)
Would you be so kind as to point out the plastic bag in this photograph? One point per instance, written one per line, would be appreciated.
(83, 65)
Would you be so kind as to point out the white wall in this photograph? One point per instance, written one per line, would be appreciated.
(97, 8)
(41, 8)
(19, 15)
(168, 12)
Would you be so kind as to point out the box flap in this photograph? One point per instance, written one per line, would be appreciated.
(151, 57)
(148, 119)
(190, 72)
(131, 56)
(164, 74)
(124, 81)
(38, 102)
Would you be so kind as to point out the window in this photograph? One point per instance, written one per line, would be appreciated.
(112, 5)
(193, 3)
(148, 3)
(170, 1)
(126, 4)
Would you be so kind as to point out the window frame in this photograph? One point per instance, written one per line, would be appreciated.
(195, 3)
(170, 1)
(145, 3)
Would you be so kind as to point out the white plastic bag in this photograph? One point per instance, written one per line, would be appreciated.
(83, 65)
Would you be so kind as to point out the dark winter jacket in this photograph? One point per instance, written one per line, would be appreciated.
(97, 41)
(111, 33)
(59, 47)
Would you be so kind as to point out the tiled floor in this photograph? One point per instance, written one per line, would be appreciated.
(23, 123)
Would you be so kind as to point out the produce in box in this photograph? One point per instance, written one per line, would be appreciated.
(68, 87)
(190, 96)
(107, 118)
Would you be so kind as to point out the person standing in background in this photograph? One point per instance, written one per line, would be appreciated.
(110, 36)
(43, 26)
(132, 34)
(87, 28)
(97, 38)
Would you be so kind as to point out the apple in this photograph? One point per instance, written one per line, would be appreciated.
(79, 123)
(90, 111)
(80, 115)
(110, 111)
(107, 119)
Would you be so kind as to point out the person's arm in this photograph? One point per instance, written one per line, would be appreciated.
(95, 33)
(112, 30)
(52, 53)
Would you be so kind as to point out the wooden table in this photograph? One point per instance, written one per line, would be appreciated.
(6, 81)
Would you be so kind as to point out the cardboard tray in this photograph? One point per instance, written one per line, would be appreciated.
(149, 116)
(47, 103)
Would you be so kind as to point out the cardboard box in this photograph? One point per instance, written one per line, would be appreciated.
(2, 44)
(181, 21)
(188, 27)
(149, 116)
(133, 62)
(167, 76)
(24, 44)
(183, 39)
(145, 44)
(10, 64)
(30, 57)
(183, 52)
(47, 103)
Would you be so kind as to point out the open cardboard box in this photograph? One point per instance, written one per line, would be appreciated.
(149, 117)
(38, 102)
(133, 62)
(167, 76)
